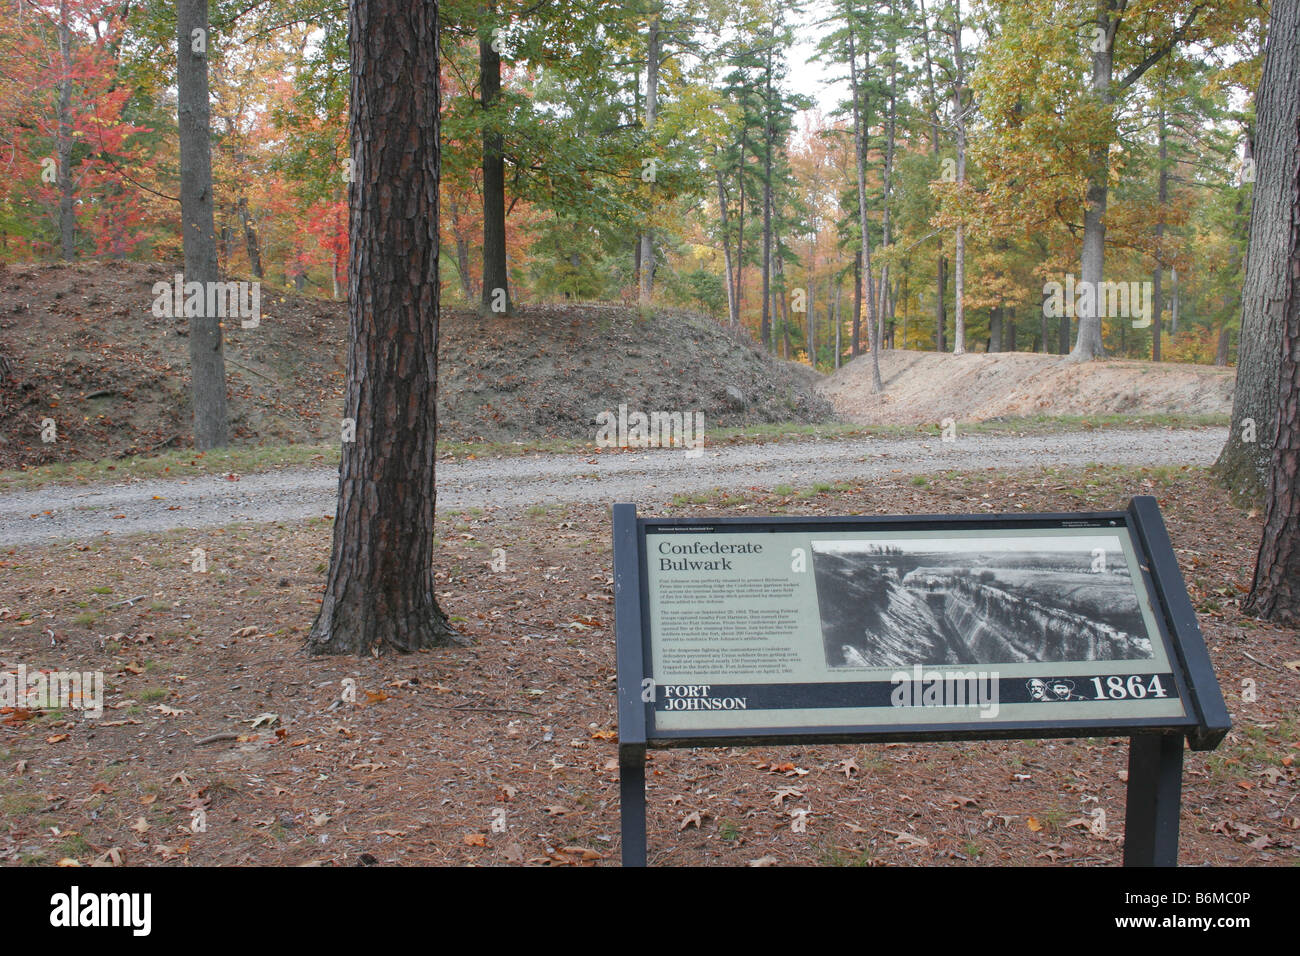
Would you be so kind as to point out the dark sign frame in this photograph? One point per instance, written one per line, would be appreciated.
(1156, 748)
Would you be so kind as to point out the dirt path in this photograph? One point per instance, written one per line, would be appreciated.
(648, 478)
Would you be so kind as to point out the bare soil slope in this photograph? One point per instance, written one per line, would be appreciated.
(79, 344)
(928, 387)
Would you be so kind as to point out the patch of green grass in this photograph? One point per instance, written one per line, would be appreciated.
(840, 856)
(973, 850)
(151, 694)
(784, 491)
(18, 804)
(1054, 818)
(101, 589)
(695, 498)
(920, 481)
(728, 830)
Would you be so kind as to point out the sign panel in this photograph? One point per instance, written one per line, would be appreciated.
(826, 630)
(816, 625)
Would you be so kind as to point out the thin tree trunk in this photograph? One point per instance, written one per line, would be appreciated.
(207, 361)
(1088, 345)
(462, 252)
(1157, 285)
(67, 203)
(941, 307)
(651, 114)
(379, 592)
(1173, 302)
(855, 347)
(496, 278)
(769, 133)
(733, 306)
(1044, 327)
(860, 150)
(959, 251)
(835, 310)
(250, 238)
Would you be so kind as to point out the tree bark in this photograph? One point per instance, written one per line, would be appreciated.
(1275, 593)
(860, 150)
(207, 360)
(1244, 465)
(1088, 345)
(855, 346)
(959, 252)
(769, 134)
(1162, 196)
(646, 291)
(67, 200)
(733, 306)
(250, 238)
(496, 278)
(941, 306)
(379, 594)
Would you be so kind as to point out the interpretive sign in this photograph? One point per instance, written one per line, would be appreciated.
(738, 631)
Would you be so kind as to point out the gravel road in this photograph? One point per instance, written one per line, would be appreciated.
(649, 478)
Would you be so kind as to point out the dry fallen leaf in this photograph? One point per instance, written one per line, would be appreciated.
(764, 861)
(1033, 824)
(474, 839)
(141, 825)
(781, 795)
(848, 766)
(691, 819)
(57, 738)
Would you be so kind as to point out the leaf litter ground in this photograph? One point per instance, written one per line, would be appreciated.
(222, 743)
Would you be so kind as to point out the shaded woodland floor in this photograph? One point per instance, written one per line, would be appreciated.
(519, 730)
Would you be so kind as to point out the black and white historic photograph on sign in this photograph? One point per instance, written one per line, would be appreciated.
(987, 600)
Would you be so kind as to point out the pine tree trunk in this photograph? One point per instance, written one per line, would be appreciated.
(1162, 196)
(1244, 465)
(733, 306)
(941, 306)
(959, 252)
(496, 279)
(860, 151)
(207, 361)
(1275, 594)
(379, 595)
(769, 134)
(855, 347)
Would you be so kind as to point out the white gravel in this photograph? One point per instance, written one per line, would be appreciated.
(649, 478)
